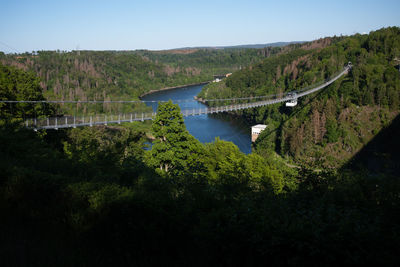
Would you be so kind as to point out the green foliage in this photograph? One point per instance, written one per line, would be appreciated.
(329, 213)
(210, 61)
(332, 132)
(227, 166)
(328, 128)
(112, 75)
(20, 85)
(92, 197)
(65, 210)
(173, 149)
(101, 145)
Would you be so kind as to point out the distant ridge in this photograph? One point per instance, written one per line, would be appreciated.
(276, 44)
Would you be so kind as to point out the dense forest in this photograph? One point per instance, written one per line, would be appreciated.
(94, 197)
(212, 61)
(126, 75)
(327, 129)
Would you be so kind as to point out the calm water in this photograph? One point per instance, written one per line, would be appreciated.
(206, 127)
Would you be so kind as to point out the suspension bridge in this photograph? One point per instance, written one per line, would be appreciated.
(78, 121)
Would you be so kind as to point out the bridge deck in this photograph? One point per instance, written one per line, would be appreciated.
(72, 121)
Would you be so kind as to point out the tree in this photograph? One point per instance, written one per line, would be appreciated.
(332, 131)
(174, 150)
(105, 146)
(225, 162)
(17, 84)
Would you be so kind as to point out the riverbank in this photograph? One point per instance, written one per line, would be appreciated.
(171, 88)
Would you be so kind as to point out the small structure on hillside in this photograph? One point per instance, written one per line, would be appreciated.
(256, 130)
(218, 78)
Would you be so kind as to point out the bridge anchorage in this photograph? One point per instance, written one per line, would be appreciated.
(69, 121)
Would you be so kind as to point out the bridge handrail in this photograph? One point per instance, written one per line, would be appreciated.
(335, 75)
(65, 121)
(156, 101)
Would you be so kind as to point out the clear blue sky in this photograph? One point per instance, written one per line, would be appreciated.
(164, 24)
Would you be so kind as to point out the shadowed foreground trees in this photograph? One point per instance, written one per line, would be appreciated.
(59, 211)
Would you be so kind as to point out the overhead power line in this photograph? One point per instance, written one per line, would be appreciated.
(12, 48)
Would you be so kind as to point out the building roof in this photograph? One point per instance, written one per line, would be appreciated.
(257, 129)
(260, 126)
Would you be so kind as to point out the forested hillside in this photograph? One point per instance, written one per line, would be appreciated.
(94, 197)
(109, 75)
(328, 128)
(126, 75)
(98, 75)
(211, 61)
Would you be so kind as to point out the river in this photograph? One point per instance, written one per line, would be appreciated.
(205, 127)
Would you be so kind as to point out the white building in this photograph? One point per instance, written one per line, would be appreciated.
(256, 130)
